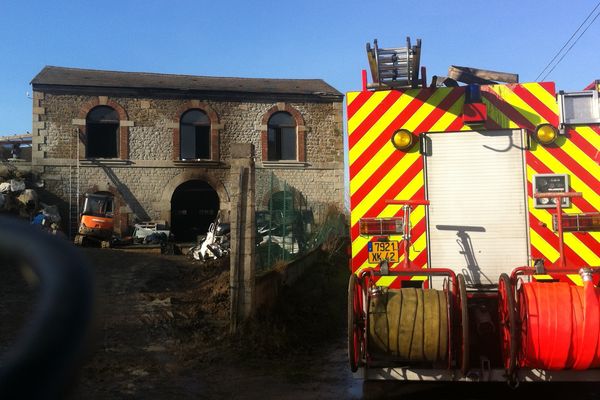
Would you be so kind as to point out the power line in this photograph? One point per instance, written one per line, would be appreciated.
(567, 42)
(579, 37)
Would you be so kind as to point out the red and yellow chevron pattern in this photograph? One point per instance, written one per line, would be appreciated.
(378, 172)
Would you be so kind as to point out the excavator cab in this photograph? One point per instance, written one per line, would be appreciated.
(97, 221)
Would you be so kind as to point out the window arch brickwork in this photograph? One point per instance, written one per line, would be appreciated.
(300, 131)
(215, 127)
(124, 123)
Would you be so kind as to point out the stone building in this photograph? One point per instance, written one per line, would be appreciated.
(160, 144)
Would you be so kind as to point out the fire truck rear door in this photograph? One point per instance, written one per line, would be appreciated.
(477, 218)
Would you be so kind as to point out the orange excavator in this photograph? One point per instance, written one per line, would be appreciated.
(96, 223)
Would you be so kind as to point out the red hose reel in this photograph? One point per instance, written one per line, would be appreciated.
(550, 325)
(559, 326)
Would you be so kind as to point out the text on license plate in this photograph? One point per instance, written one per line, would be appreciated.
(379, 251)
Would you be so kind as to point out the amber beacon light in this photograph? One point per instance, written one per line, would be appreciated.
(402, 139)
(546, 134)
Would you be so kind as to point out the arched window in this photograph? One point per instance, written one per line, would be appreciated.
(102, 131)
(281, 137)
(194, 130)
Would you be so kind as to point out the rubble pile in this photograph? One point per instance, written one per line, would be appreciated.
(215, 244)
(17, 197)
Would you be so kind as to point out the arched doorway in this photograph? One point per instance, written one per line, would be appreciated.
(194, 205)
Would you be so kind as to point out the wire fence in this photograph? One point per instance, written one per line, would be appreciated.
(289, 225)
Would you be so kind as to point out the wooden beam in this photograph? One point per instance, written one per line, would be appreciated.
(483, 76)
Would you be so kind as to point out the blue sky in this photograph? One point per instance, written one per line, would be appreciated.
(279, 39)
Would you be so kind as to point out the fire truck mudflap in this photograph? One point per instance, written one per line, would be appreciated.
(475, 228)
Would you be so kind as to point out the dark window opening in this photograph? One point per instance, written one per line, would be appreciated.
(281, 137)
(102, 127)
(195, 136)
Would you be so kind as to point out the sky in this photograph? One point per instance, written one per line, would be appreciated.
(279, 39)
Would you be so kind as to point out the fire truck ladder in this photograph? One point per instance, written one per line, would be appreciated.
(395, 67)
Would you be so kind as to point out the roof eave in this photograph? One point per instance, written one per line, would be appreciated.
(178, 92)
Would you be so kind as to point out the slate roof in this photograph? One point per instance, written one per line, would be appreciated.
(51, 76)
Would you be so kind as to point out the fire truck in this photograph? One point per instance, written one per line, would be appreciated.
(475, 225)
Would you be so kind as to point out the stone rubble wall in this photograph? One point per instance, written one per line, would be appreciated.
(150, 137)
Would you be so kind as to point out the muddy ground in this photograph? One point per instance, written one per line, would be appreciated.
(160, 332)
(163, 331)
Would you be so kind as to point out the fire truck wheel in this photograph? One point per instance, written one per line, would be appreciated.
(507, 314)
(464, 322)
(355, 323)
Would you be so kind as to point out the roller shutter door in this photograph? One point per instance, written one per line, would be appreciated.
(478, 215)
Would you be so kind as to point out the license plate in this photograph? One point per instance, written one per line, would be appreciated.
(379, 251)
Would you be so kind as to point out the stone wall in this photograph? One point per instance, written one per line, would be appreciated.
(142, 193)
(147, 177)
(311, 187)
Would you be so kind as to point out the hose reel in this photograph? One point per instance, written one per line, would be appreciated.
(417, 326)
(549, 325)
(410, 324)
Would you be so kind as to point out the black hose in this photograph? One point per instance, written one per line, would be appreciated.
(42, 362)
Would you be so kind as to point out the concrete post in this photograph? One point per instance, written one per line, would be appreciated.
(243, 235)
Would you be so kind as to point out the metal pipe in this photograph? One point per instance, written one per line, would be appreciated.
(558, 196)
(406, 235)
(414, 272)
(364, 80)
(42, 361)
(562, 262)
(270, 223)
(283, 256)
(550, 271)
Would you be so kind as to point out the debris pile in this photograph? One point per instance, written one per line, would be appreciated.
(215, 244)
(151, 232)
(18, 198)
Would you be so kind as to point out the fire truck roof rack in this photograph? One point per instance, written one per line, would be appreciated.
(394, 67)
